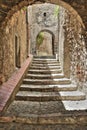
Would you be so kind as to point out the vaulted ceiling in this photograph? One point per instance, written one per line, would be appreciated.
(9, 7)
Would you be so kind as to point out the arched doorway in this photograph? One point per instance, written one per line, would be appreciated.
(45, 43)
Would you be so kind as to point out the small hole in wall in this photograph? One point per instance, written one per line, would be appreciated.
(44, 14)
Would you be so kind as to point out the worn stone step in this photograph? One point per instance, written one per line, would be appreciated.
(27, 108)
(37, 96)
(45, 70)
(35, 109)
(48, 88)
(67, 87)
(77, 95)
(45, 67)
(47, 82)
(44, 76)
(49, 96)
(45, 57)
(45, 64)
(75, 105)
(54, 71)
(44, 60)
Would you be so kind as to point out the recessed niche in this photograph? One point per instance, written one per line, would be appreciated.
(44, 14)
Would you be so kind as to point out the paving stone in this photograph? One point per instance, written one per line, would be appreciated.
(23, 108)
(19, 126)
(51, 107)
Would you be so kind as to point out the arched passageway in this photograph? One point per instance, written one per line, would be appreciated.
(70, 49)
(45, 43)
(74, 33)
(74, 7)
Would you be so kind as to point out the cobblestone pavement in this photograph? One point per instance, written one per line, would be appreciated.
(18, 126)
(25, 109)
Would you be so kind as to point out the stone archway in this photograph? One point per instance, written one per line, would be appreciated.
(73, 6)
(46, 48)
(77, 9)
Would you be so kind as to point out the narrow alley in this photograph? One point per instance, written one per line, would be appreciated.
(43, 65)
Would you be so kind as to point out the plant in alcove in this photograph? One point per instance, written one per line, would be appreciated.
(24, 9)
(40, 39)
(56, 11)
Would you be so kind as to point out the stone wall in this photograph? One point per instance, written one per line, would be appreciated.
(72, 49)
(74, 6)
(61, 36)
(75, 51)
(43, 17)
(16, 27)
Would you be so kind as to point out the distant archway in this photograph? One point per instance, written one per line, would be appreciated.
(45, 43)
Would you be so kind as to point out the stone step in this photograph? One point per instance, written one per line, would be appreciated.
(77, 95)
(45, 67)
(27, 108)
(49, 96)
(50, 56)
(53, 71)
(47, 88)
(45, 57)
(47, 82)
(44, 60)
(37, 96)
(44, 70)
(45, 64)
(44, 76)
(68, 87)
(75, 105)
(28, 115)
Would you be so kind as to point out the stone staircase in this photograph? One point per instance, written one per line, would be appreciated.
(46, 96)
(45, 81)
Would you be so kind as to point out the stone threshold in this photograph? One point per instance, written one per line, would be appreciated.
(79, 118)
(9, 89)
